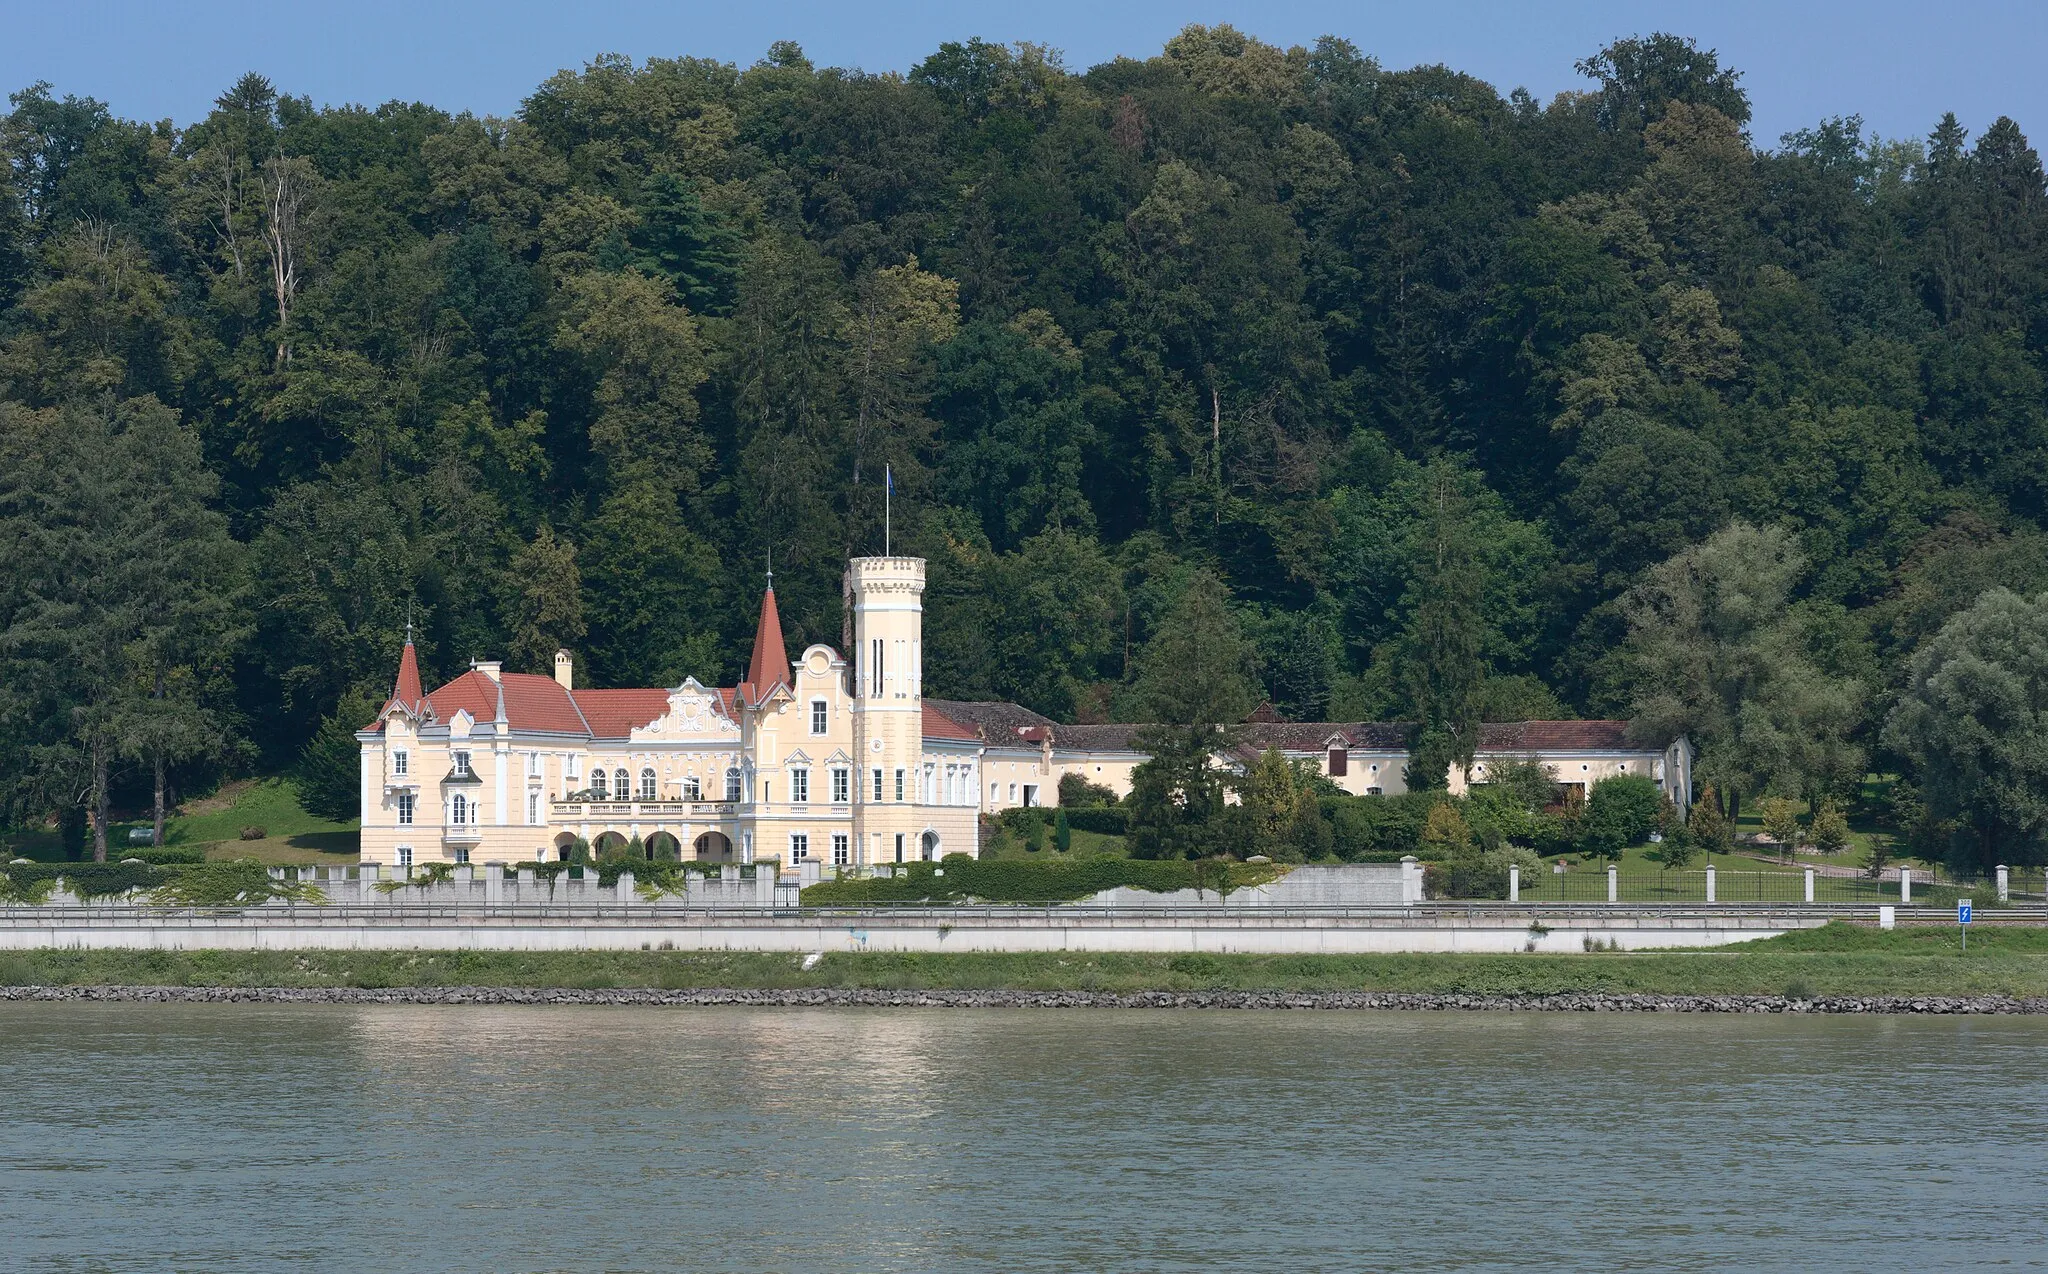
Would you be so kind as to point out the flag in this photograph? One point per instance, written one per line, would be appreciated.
(889, 478)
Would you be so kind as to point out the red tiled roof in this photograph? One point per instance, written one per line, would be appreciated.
(769, 667)
(407, 689)
(532, 702)
(613, 714)
(1558, 736)
(937, 725)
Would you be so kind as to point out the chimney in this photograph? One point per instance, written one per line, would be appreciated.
(488, 667)
(565, 670)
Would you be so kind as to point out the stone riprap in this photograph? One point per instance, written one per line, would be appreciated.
(859, 997)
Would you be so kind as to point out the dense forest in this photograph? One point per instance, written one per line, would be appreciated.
(1373, 393)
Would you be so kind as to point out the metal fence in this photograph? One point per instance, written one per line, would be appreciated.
(1931, 887)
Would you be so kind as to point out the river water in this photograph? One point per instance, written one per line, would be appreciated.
(237, 1137)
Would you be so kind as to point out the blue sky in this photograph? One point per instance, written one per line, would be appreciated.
(1897, 64)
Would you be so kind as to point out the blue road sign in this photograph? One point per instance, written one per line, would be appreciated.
(1963, 912)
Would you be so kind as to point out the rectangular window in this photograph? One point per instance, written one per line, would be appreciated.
(692, 789)
(799, 846)
(840, 855)
(821, 716)
(405, 856)
(842, 785)
(1030, 795)
(1013, 792)
(899, 784)
(405, 800)
(799, 786)
(399, 760)
(1372, 791)
(899, 846)
(533, 808)
(462, 855)
(875, 670)
(878, 783)
(462, 763)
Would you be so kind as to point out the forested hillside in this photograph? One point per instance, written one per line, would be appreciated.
(1473, 406)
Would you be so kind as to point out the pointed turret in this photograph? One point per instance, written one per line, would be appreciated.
(770, 665)
(407, 693)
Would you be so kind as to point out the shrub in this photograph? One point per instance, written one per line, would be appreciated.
(1830, 831)
(1035, 880)
(167, 855)
(1781, 823)
(1377, 829)
(1076, 791)
(1620, 812)
(254, 833)
(1708, 826)
(1467, 876)
(1062, 833)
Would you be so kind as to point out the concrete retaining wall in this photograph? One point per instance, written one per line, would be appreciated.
(666, 926)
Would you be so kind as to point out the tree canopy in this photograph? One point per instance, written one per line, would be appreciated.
(1433, 403)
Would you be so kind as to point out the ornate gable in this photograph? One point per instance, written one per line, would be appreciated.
(694, 712)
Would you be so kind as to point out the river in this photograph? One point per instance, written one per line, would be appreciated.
(242, 1137)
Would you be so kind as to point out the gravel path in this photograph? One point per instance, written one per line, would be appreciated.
(838, 997)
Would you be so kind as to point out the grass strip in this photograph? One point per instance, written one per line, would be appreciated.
(1838, 960)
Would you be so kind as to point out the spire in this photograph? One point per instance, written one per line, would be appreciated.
(407, 691)
(770, 666)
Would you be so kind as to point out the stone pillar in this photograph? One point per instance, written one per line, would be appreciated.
(494, 884)
(527, 880)
(1411, 880)
(1905, 885)
(1613, 895)
(1514, 883)
(625, 888)
(2004, 883)
(1809, 884)
(1710, 882)
(464, 874)
(1886, 917)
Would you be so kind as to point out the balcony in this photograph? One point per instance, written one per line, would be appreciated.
(462, 833)
(695, 811)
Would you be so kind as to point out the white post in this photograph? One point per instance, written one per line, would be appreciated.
(1809, 884)
(1411, 880)
(1515, 883)
(2004, 883)
(1611, 894)
(1886, 917)
(625, 887)
(1710, 882)
(1905, 885)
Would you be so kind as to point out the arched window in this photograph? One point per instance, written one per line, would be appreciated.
(458, 810)
(647, 785)
(599, 786)
(622, 785)
(930, 845)
(732, 784)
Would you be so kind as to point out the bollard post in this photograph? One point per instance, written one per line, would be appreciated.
(1612, 895)
(1710, 882)
(2004, 883)
(1905, 886)
(1886, 917)
(1809, 884)
(625, 887)
(1515, 883)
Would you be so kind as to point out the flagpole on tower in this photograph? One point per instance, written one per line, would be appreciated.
(888, 495)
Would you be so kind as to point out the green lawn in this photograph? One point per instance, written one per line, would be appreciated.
(215, 823)
(1836, 960)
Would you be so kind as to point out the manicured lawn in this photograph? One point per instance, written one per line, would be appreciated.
(1002, 844)
(293, 836)
(1836, 960)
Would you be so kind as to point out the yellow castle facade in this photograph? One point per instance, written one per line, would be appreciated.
(832, 759)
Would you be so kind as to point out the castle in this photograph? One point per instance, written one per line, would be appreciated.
(824, 759)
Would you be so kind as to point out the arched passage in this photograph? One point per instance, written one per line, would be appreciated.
(929, 844)
(608, 843)
(663, 847)
(713, 847)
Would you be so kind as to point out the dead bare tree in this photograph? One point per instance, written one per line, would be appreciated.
(287, 186)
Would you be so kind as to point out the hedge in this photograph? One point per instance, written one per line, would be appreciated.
(1104, 819)
(960, 879)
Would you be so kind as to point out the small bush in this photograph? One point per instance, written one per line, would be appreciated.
(168, 855)
(254, 833)
(1077, 791)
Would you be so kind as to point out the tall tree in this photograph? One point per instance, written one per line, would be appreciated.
(121, 573)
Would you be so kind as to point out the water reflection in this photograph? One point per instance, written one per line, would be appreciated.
(246, 1137)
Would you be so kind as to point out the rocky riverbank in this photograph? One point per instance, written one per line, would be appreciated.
(855, 997)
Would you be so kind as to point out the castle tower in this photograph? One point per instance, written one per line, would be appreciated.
(885, 598)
